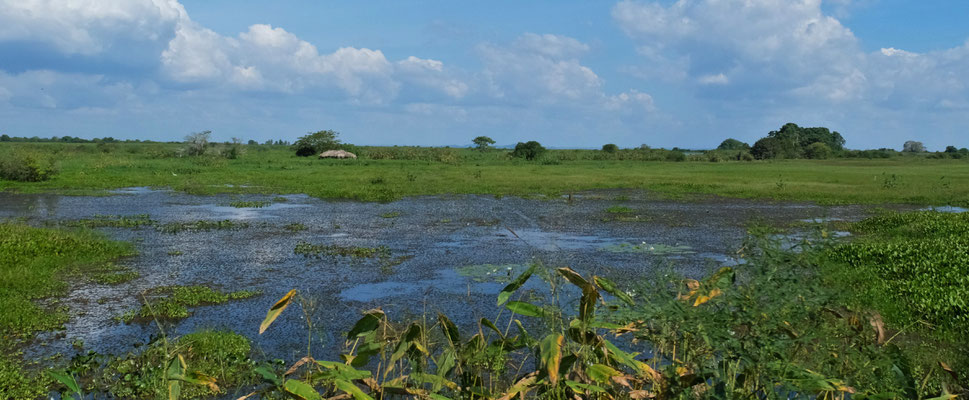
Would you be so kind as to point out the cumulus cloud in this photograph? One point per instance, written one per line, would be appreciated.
(89, 27)
(790, 43)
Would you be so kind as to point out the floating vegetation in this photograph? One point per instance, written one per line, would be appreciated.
(295, 227)
(202, 225)
(249, 204)
(113, 274)
(172, 302)
(175, 253)
(392, 214)
(112, 221)
(627, 218)
(619, 210)
(307, 249)
(503, 273)
(280, 199)
(647, 248)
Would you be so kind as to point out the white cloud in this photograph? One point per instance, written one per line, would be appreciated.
(90, 26)
(540, 68)
(718, 79)
(790, 43)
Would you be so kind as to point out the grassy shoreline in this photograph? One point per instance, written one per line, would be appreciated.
(83, 170)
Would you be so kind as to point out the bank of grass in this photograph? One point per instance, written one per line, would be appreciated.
(36, 264)
(386, 174)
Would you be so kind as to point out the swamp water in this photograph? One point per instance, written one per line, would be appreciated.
(417, 256)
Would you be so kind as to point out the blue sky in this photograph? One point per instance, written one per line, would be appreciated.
(685, 73)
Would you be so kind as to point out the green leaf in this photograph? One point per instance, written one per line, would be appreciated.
(601, 373)
(450, 330)
(526, 309)
(67, 380)
(351, 389)
(611, 288)
(268, 375)
(369, 323)
(300, 390)
(275, 310)
(515, 285)
(489, 324)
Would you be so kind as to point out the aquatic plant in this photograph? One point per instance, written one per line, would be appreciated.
(390, 214)
(202, 225)
(307, 249)
(619, 210)
(112, 221)
(295, 227)
(173, 302)
(249, 204)
(649, 248)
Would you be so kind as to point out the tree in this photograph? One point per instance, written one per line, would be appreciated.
(733, 144)
(818, 151)
(767, 148)
(4, 138)
(912, 146)
(316, 142)
(483, 142)
(528, 150)
(196, 142)
(252, 142)
(951, 149)
(610, 148)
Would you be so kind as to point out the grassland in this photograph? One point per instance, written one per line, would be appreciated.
(391, 173)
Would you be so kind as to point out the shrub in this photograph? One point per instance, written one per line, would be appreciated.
(610, 148)
(675, 156)
(27, 167)
(912, 146)
(528, 150)
(197, 142)
(316, 142)
(818, 151)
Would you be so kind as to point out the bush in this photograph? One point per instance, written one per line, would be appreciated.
(27, 167)
(610, 148)
(818, 151)
(197, 142)
(528, 150)
(316, 142)
(676, 156)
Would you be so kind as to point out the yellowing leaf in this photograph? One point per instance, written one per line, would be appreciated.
(275, 310)
(551, 352)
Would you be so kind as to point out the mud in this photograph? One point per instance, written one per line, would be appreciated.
(455, 253)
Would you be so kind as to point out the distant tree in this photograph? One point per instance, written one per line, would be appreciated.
(912, 146)
(768, 148)
(610, 148)
(268, 142)
(528, 150)
(252, 142)
(196, 142)
(818, 151)
(951, 149)
(676, 155)
(483, 142)
(4, 138)
(733, 144)
(316, 142)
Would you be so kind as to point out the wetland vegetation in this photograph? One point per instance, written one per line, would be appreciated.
(879, 314)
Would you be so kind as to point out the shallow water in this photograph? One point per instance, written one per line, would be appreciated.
(440, 243)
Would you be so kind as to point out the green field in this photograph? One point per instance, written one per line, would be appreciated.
(386, 174)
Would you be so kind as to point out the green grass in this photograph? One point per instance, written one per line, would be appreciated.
(272, 170)
(35, 264)
(173, 302)
(249, 204)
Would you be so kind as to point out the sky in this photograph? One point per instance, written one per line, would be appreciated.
(686, 73)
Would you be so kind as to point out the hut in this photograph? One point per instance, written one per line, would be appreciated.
(337, 154)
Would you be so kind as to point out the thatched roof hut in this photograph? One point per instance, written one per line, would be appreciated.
(337, 154)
